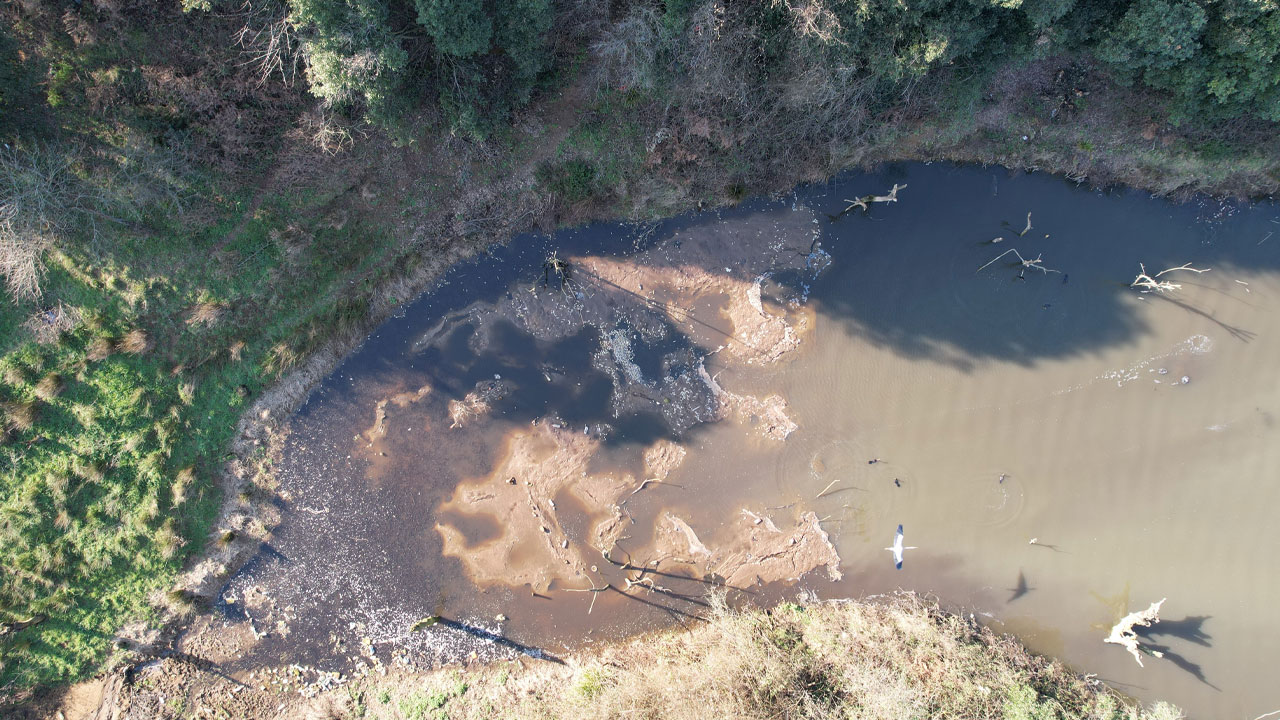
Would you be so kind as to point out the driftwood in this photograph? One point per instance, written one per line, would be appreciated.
(1149, 282)
(1037, 263)
(1123, 633)
(593, 590)
(864, 202)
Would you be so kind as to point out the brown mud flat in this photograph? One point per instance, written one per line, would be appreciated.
(535, 549)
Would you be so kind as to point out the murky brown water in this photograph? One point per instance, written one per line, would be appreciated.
(665, 423)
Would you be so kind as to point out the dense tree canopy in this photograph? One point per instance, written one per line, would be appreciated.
(1217, 58)
(482, 58)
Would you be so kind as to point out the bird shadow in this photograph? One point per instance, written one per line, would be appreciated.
(1019, 589)
(1050, 546)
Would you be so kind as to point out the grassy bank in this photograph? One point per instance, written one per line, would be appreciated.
(895, 657)
(197, 229)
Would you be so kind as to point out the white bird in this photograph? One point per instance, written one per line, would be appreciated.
(898, 548)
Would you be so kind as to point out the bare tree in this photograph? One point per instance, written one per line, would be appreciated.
(38, 194)
(269, 41)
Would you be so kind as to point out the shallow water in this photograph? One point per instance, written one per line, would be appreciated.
(1133, 436)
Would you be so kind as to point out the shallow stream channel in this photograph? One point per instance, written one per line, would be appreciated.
(581, 437)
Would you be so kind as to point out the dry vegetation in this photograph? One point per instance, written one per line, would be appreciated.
(896, 657)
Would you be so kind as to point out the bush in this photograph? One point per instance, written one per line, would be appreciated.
(571, 180)
(354, 60)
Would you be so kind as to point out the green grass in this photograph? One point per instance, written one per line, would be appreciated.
(430, 703)
(108, 464)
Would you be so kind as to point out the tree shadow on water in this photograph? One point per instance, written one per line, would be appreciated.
(497, 639)
(924, 279)
(1190, 629)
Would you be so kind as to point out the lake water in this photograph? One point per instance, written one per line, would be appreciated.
(725, 401)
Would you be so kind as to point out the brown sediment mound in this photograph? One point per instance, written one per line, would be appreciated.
(662, 457)
(534, 548)
(378, 430)
(748, 551)
(768, 414)
(756, 334)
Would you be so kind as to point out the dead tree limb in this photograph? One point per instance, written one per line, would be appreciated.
(1036, 263)
(1149, 283)
(863, 202)
(1124, 634)
(594, 592)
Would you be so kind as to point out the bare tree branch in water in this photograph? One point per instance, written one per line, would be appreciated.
(863, 201)
(1149, 282)
(1036, 263)
(593, 590)
(1123, 633)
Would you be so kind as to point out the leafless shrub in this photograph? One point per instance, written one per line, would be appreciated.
(49, 386)
(269, 42)
(205, 313)
(327, 132)
(627, 52)
(100, 348)
(135, 342)
(812, 19)
(19, 415)
(31, 187)
(47, 326)
(43, 201)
